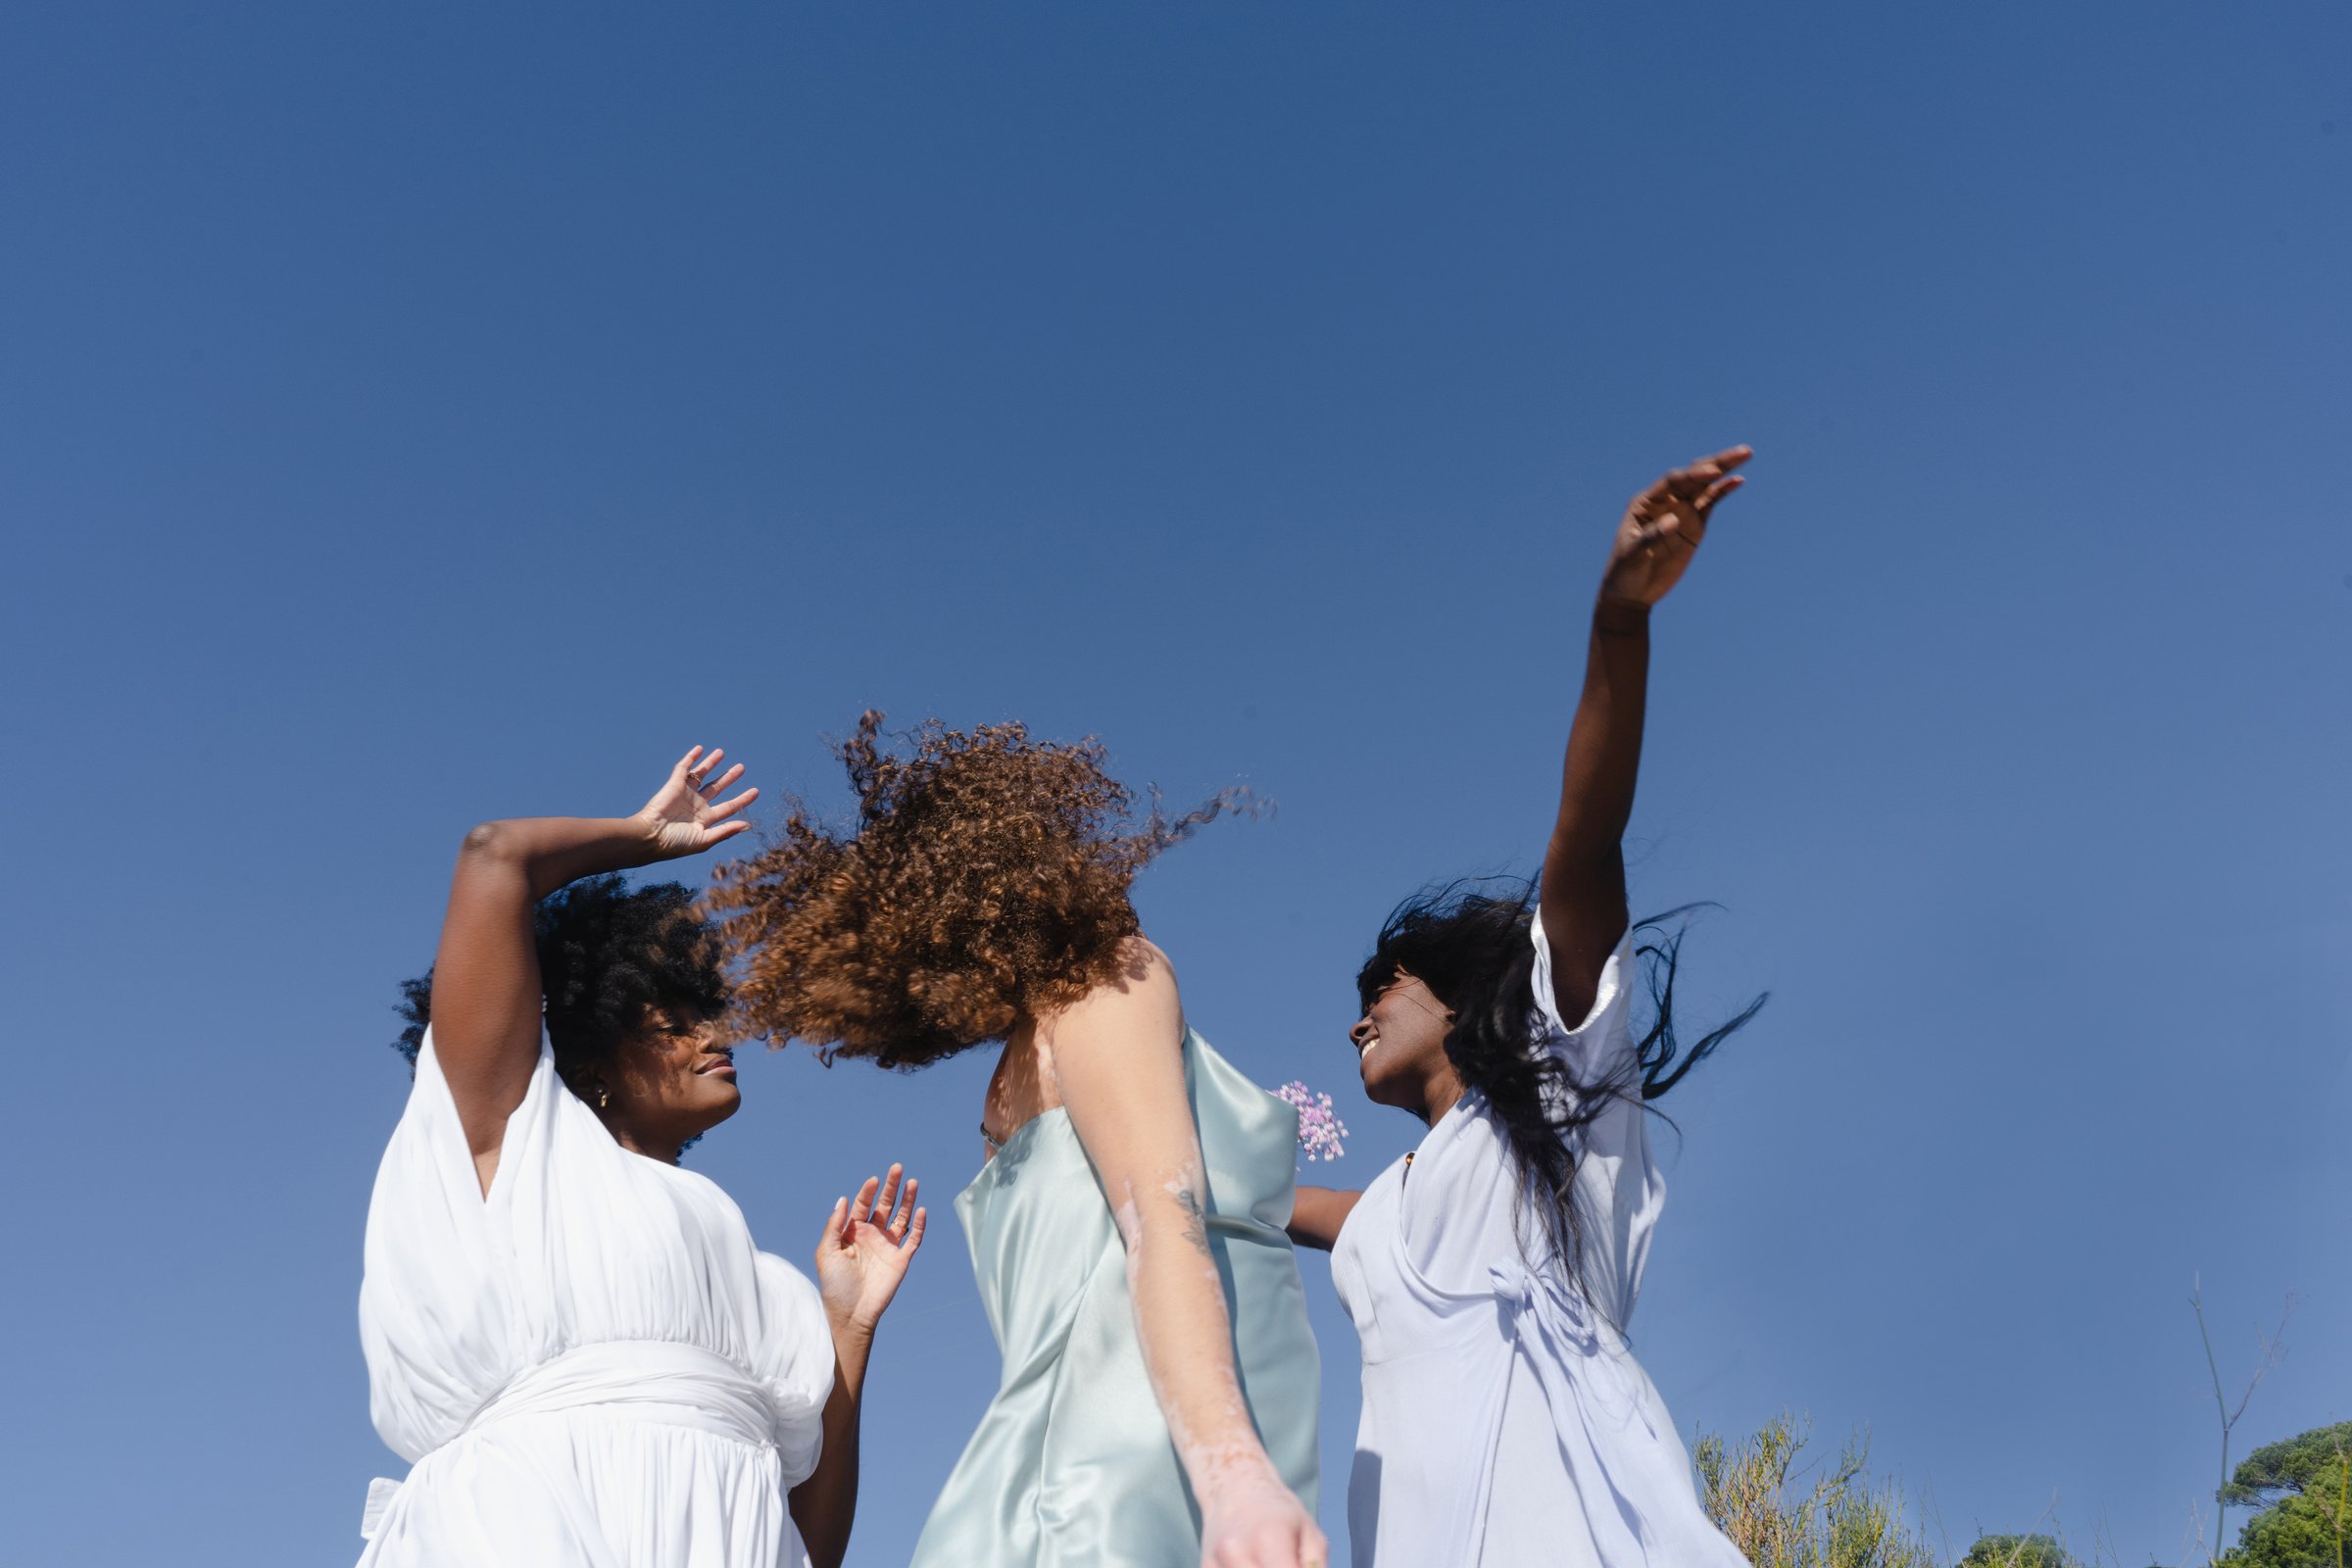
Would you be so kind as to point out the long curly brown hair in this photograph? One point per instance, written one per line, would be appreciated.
(985, 879)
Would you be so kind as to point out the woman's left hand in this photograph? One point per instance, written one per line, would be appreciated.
(866, 1245)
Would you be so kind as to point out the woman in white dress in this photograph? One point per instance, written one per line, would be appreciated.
(1490, 1274)
(572, 1339)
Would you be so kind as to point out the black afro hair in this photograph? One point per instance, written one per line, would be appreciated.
(610, 956)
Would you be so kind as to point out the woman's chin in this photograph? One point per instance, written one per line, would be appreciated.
(720, 1100)
(1396, 1092)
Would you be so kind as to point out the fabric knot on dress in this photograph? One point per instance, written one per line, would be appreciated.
(1540, 1303)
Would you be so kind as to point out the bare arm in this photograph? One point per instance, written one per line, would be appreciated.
(1317, 1215)
(860, 1258)
(1583, 900)
(1118, 1065)
(486, 999)
(824, 1507)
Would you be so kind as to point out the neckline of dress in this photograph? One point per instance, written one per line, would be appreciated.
(1405, 1165)
(988, 1166)
(1184, 1049)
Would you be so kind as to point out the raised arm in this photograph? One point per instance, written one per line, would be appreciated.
(487, 999)
(1117, 1061)
(860, 1258)
(1583, 900)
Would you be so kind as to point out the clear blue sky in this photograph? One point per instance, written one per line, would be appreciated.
(409, 415)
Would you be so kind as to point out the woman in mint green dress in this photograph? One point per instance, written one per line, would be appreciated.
(1158, 1405)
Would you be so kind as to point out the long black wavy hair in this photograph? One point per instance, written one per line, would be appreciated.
(610, 956)
(1472, 949)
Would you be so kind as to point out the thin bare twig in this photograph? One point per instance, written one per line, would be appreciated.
(2273, 1351)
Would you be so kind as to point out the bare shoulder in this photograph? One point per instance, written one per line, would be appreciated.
(1138, 1003)
(1116, 1058)
(1142, 961)
(1144, 978)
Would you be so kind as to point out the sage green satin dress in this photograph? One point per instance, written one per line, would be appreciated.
(1072, 1466)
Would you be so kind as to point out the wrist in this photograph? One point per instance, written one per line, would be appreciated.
(588, 847)
(1619, 616)
(852, 1329)
(644, 833)
(1237, 1481)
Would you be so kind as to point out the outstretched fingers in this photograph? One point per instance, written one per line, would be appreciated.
(688, 812)
(1689, 493)
(1690, 481)
(878, 1213)
(1689, 484)
(881, 1203)
(835, 1228)
(710, 812)
(720, 811)
(1717, 491)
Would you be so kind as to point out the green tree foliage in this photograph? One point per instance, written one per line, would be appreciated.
(2018, 1551)
(1844, 1520)
(2294, 1465)
(2304, 1486)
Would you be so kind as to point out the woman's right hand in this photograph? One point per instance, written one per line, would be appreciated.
(686, 816)
(1255, 1521)
(867, 1243)
(1663, 526)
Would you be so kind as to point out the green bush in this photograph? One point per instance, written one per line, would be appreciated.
(2017, 1551)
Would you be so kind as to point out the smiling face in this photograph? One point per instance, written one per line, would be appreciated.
(1401, 1050)
(673, 1082)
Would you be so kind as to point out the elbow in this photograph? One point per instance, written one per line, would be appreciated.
(488, 841)
(1574, 997)
(1581, 849)
(1130, 1223)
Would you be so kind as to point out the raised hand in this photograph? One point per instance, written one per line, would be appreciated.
(866, 1245)
(1663, 526)
(686, 815)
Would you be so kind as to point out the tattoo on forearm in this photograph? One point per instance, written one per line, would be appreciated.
(1195, 1220)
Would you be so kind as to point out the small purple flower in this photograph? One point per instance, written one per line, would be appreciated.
(1321, 1133)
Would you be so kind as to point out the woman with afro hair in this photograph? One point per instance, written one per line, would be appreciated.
(1136, 1183)
(574, 1340)
(1491, 1272)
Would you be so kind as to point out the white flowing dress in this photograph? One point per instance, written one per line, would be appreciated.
(591, 1367)
(1505, 1421)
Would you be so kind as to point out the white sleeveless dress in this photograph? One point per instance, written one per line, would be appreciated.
(592, 1367)
(1505, 1421)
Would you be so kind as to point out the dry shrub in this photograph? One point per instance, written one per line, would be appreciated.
(1842, 1519)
